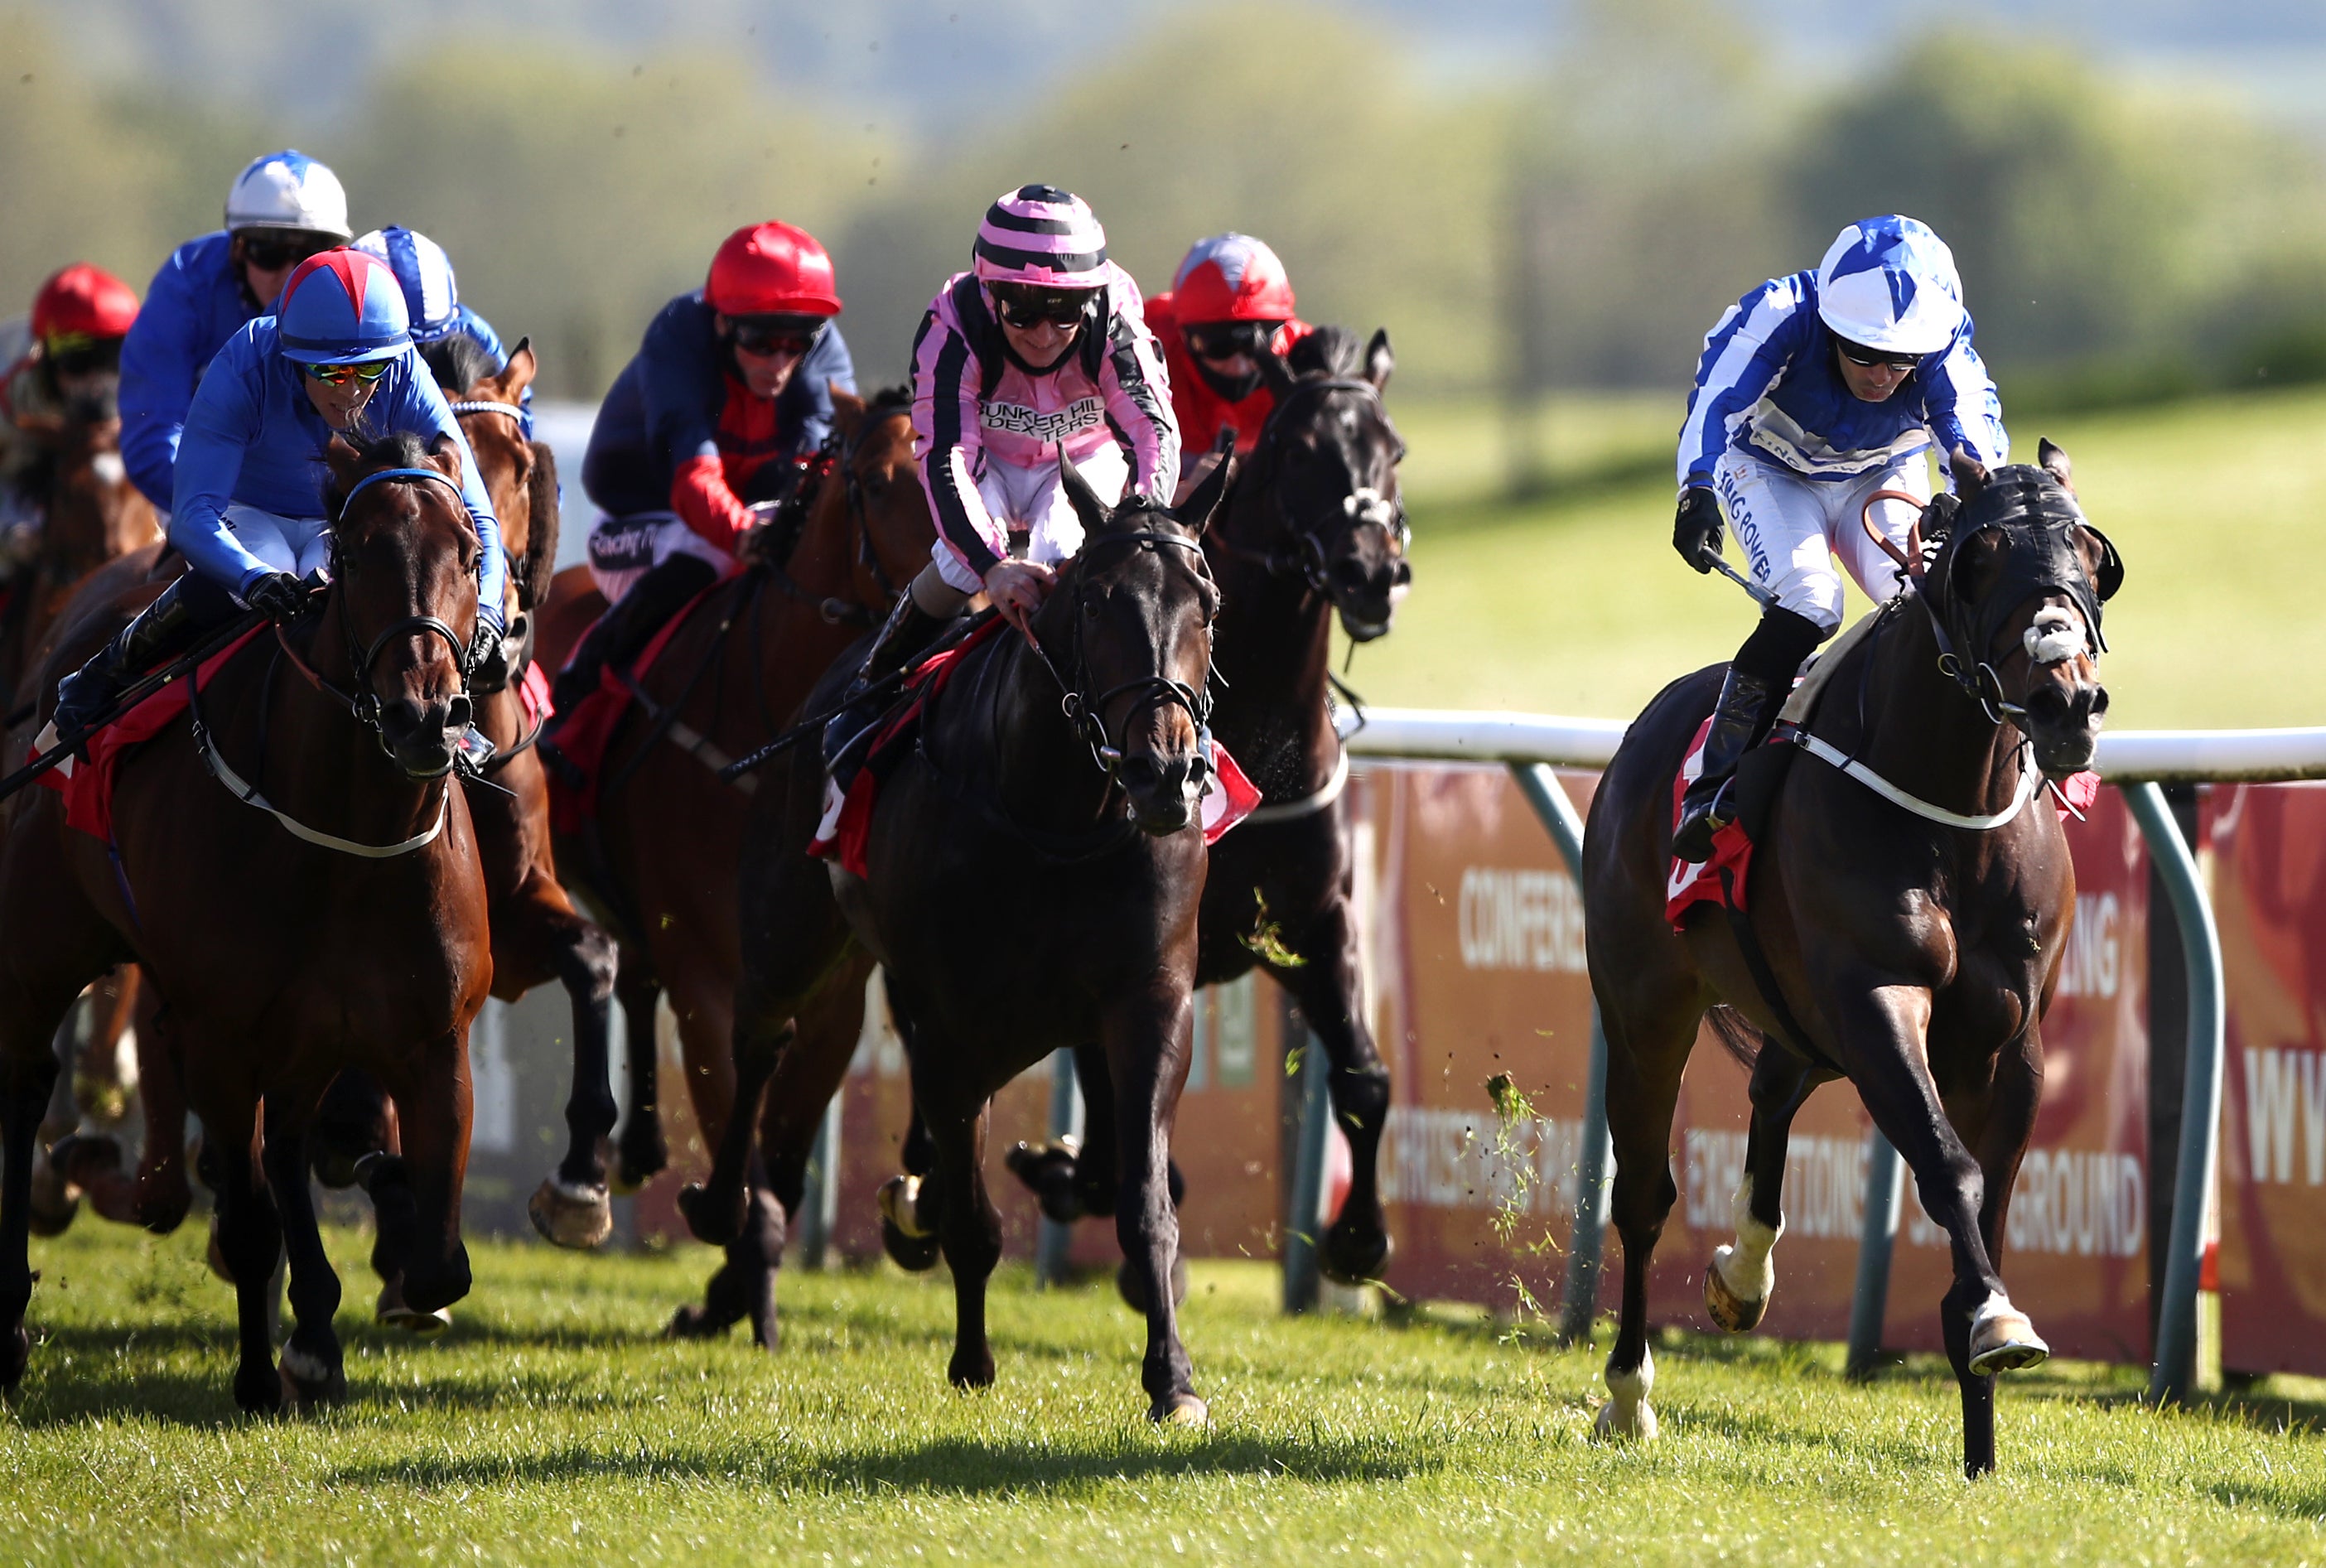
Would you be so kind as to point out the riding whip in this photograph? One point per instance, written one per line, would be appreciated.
(1765, 597)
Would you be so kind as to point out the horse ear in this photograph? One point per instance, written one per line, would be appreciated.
(1379, 360)
(444, 457)
(1970, 474)
(2056, 464)
(1275, 373)
(344, 464)
(1195, 513)
(1087, 506)
(518, 374)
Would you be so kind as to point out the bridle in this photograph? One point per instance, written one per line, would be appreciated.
(1306, 559)
(836, 454)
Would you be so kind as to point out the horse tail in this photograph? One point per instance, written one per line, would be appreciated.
(1738, 1037)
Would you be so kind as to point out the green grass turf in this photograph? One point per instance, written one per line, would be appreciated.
(1575, 604)
(552, 1425)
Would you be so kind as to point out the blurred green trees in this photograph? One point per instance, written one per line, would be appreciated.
(1582, 232)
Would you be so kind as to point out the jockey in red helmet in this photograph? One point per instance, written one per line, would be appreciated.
(1230, 301)
(63, 359)
(730, 395)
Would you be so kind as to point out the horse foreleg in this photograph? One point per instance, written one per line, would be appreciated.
(313, 1371)
(249, 1238)
(1149, 1040)
(969, 1227)
(1740, 1276)
(573, 1207)
(718, 1208)
(1998, 1123)
(1330, 988)
(642, 1155)
(22, 1100)
(1644, 1060)
(431, 1095)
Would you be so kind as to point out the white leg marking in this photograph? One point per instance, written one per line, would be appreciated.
(1746, 1268)
(1627, 1415)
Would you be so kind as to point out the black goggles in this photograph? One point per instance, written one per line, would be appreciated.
(271, 251)
(1026, 306)
(765, 335)
(1858, 354)
(1226, 339)
(79, 354)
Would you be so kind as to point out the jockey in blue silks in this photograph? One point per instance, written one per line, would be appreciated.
(1814, 391)
(249, 512)
(431, 298)
(285, 207)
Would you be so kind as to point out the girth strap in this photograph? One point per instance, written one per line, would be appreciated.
(249, 796)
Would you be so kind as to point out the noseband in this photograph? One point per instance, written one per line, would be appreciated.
(1086, 713)
(1305, 559)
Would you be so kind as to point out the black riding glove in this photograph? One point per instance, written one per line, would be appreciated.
(1697, 532)
(279, 595)
(489, 664)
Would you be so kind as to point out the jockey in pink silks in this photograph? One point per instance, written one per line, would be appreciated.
(1041, 348)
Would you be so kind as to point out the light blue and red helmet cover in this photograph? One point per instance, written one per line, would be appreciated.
(343, 307)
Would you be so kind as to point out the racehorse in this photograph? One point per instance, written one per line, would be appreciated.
(328, 913)
(1311, 524)
(1032, 874)
(658, 863)
(1909, 899)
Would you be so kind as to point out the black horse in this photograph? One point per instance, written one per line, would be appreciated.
(1312, 524)
(1908, 901)
(1033, 870)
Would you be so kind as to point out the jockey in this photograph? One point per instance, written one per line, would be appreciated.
(1040, 350)
(432, 297)
(729, 394)
(249, 509)
(282, 208)
(1815, 390)
(1229, 300)
(64, 358)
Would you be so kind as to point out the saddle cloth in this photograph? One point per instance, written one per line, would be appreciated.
(1719, 880)
(88, 786)
(589, 729)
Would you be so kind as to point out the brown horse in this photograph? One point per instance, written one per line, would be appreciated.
(284, 960)
(659, 863)
(1906, 918)
(1033, 873)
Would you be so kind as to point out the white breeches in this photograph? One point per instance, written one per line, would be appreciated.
(1791, 528)
(623, 550)
(1031, 500)
(297, 545)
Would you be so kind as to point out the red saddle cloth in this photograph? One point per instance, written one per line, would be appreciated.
(847, 825)
(88, 786)
(589, 729)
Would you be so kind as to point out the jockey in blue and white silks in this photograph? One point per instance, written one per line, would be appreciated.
(1814, 391)
(431, 298)
(251, 474)
(282, 208)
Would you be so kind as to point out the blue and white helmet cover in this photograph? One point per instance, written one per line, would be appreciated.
(288, 190)
(432, 296)
(1889, 283)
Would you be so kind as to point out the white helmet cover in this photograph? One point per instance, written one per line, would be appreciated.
(432, 295)
(1889, 283)
(288, 190)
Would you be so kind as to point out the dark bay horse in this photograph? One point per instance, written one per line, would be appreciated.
(283, 960)
(659, 863)
(1311, 524)
(1911, 949)
(1034, 872)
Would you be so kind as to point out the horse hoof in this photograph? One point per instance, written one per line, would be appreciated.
(580, 1217)
(719, 1224)
(1355, 1255)
(16, 1354)
(84, 1158)
(2002, 1339)
(967, 1372)
(643, 1156)
(54, 1202)
(393, 1312)
(1050, 1171)
(257, 1388)
(913, 1254)
(1621, 1423)
(1727, 1309)
(1127, 1284)
(910, 1246)
(310, 1382)
(1181, 1410)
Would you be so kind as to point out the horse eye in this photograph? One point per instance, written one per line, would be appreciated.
(1090, 608)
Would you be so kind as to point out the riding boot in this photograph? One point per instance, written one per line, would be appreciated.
(908, 629)
(622, 633)
(168, 626)
(1756, 685)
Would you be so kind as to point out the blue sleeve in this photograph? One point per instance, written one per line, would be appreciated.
(680, 373)
(419, 406)
(160, 363)
(1742, 355)
(1963, 408)
(224, 420)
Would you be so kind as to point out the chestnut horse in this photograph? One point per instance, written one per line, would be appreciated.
(658, 862)
(281, 960)
(1910, 898)
(1033, 872)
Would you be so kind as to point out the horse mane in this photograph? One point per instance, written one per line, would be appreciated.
(398, 448)
(1330, 350)
(459, 362)
(888, 400)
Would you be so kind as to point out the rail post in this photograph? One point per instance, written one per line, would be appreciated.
(820, 1200)
(1304, 1231)
(1586, 1242)
(1877, 1236)
(1052, 1239)
(2175, 1368)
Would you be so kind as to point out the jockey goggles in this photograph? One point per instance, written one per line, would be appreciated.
(1226, 339)
(1859, 354)
(341, 374)
(761, 336)
(270, 251)
(79, 354)
(1026, 306)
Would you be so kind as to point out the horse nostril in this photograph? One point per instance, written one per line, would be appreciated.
(1403, 577)
(1350, 576)
(460, 713)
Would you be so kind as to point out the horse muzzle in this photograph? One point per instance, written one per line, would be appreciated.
(2063, 722)
(1163, 793)
(423, 738)
(1367, 589)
